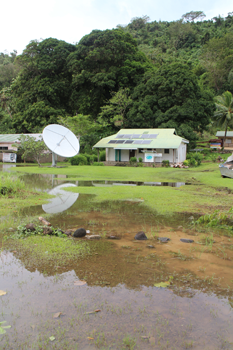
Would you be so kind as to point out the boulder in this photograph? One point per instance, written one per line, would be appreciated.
(80, 232)
(47, 231)
(30, 227)
(164, 239)
(113, 237)
(140, 236)
(68, 232)
(185, 240)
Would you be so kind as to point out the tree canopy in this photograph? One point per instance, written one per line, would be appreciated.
(171, 97)
(104, 61)
(43, 87)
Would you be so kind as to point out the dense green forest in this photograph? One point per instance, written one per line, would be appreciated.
(144, 74)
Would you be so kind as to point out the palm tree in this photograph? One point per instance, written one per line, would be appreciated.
(224, 112)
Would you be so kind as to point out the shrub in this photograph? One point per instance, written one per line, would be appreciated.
(140, 165)
(80, 159)
(206, 151)
(102, 156)
(165, 163)
(140, 160)
(98, 164)
(133, 160)
(89, 158)
(198, 157)
(95, 158)
(186, 163)
(192, 162)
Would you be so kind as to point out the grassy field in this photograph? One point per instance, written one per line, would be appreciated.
(208, 190)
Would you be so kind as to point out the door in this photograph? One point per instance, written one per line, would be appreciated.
(117, 155)
(131, 153)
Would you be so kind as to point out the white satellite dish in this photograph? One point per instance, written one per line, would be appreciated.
(61, 141)
(62, 200)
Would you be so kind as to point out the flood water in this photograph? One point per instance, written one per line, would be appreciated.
(193, 312)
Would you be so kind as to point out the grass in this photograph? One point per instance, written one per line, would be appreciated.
(207, 173)
(50, 250)
(208, 190)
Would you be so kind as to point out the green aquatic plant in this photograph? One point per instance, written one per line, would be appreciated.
(2, 328)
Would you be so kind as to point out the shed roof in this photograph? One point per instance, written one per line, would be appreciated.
(222, 133)
(14, 137)
(157, 138)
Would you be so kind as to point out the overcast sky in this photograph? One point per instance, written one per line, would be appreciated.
(69, 20)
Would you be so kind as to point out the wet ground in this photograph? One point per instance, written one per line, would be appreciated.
(194, 311)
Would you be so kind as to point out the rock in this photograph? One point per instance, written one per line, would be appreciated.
(30, 227)
(68, 232)
(191, 217)
(164, 239)
(47, 231)
(113, 237)
(185, 240)
(150, 246)
(80, 232)
(179, 227)
(140, 236)
(93, 237)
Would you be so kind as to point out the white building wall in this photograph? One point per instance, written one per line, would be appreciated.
(111, 154)
(174, 155)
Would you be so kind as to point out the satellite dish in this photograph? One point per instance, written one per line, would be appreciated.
(61, 141)
(63, 200)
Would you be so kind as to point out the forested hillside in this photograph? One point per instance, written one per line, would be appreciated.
(144, 74)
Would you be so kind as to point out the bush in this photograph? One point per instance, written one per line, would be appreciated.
(133, 161)
(95, 158)
(80, 159)
(89, 158)
(186, 163)
(165, 163)
(192, 162)
(206, 151)
(140, 160)
(140, 165)
(198, 157)
(98, 164)
(102, 156)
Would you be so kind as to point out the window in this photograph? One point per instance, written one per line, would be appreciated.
(3, 148)
(166, 151)
(140, 150)
(228, 141)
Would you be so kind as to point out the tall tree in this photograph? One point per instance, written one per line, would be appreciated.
(193, 15)
(217, 58)
(43, 87)
(171, 98)
(224, 112)
(115, 110)
(104, 61)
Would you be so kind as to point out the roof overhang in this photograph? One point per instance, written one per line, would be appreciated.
(128, 149)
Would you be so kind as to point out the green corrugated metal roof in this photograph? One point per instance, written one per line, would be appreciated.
(15, 137)
(166, 139)
(222, 133)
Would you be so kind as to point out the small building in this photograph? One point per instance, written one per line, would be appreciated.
(6, 141)
(152, 145)
(228, 142)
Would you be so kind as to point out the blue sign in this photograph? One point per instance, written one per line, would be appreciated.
(149, 157)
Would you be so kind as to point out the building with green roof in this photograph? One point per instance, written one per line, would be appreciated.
(152, 145)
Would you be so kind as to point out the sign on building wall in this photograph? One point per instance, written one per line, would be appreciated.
(149, 157)
(9, 157)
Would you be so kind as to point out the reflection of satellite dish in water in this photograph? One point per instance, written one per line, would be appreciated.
(63, 200)
(61, 141)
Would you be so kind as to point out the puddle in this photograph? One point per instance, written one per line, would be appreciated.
(194, 312)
